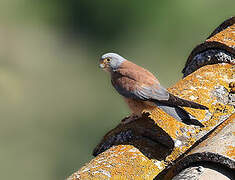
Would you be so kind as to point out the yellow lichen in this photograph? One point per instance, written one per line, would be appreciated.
(230, 151)
(166, 122)
(225, 37)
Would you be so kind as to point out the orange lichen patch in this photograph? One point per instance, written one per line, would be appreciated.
(230, 151)
(211, 122)
(200, 114)
(120, 177)
(226, 36)
(119, 162)
(131, 163)
(219, 110)
(180, 150)
(175, 153)
(199, 87)
(166, 122)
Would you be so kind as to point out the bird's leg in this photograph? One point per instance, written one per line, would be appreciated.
(130, 118)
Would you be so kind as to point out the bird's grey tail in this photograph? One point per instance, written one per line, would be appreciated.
(176, 101)
(179, 114)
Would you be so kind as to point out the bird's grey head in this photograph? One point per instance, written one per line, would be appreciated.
(111, 61)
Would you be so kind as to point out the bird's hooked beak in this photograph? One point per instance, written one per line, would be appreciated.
(101, 65)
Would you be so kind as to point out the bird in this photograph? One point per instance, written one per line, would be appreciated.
(141, 89)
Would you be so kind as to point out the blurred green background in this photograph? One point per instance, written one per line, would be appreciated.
(55, 103)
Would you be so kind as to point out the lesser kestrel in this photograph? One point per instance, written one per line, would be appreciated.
(141, 89)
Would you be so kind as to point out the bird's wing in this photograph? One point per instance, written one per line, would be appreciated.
(131, 88)
(154, 92)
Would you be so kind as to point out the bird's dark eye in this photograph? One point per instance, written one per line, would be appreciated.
(108, 60)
